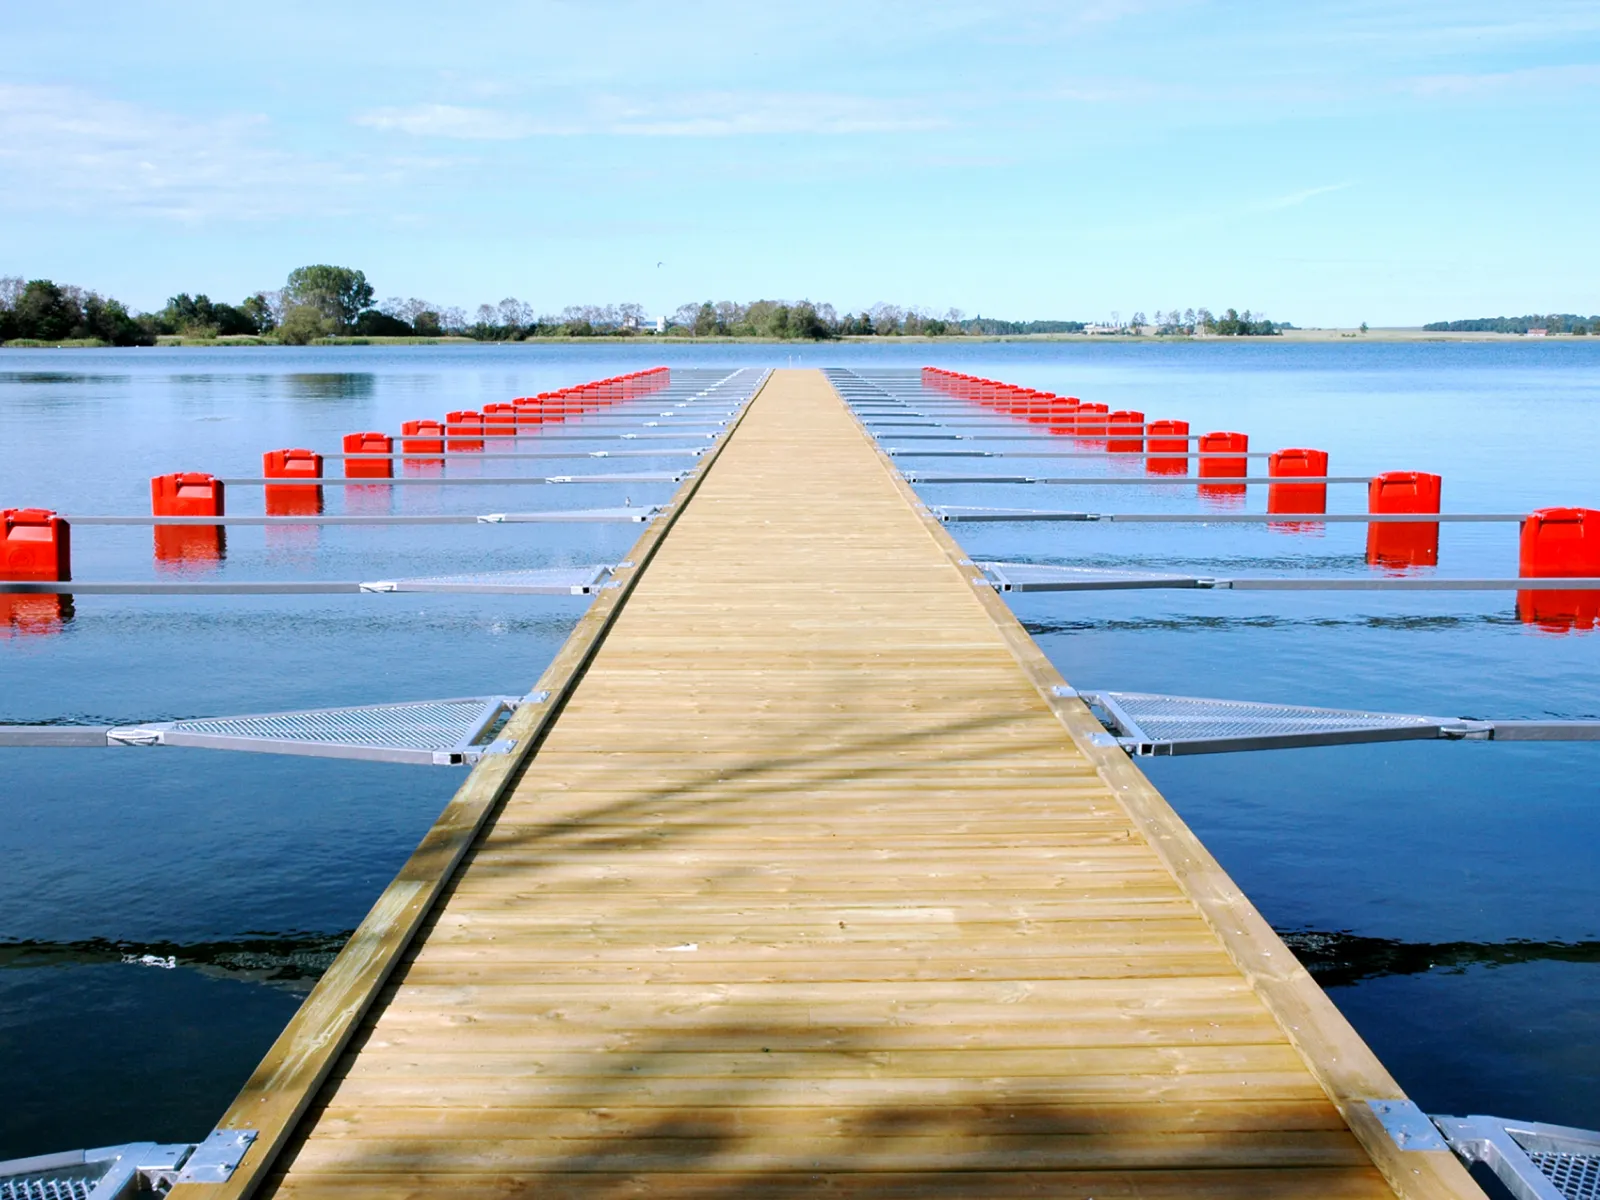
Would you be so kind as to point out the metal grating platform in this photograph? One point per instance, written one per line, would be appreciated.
(439, 732)
(72, 1183)
(1533, 1160)
(1575, 1176)
(1146, 723)
(107, 1173)
(427, 731)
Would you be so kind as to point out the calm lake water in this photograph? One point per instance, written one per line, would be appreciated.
(1445, 892)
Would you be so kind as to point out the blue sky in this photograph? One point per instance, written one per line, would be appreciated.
(1325, 163)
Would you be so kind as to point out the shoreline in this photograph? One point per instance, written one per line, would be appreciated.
(1398, 334)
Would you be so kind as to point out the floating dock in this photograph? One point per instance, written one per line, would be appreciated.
(804, 881)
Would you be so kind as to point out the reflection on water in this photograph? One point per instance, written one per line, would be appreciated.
(1342, 959)
(27, 377)
(33, 616)
(293, 962)
(342, 386)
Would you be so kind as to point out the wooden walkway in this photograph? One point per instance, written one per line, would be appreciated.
(809, 888)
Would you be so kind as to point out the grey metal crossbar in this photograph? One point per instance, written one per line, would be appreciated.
(625, 514)
(437, 480)
(1138, 480)
(548, 581)
(1035, 577)
(1099, 455)
(952, 513)
(480, 455)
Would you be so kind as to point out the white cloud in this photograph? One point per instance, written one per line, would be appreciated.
(1294, 199)
(1559, 77)
(453, 121)
(704, 114)
(68, 149)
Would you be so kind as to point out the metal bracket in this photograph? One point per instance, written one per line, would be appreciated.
(1064, 691)
(135, 735)
(498, 746)
(1407, 1124)
(215, 1159)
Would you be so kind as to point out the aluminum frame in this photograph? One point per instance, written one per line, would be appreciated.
(103, 1173)
(470, 742)
(1015, 577)
(1301, 726)
(1519, 1153)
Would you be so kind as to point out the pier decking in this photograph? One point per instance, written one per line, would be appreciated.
(805, 885)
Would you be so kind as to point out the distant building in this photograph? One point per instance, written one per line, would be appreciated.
(1538, 332)
(661, 324)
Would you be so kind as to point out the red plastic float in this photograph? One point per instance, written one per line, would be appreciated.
(292, 500)
(500, 420)
(465, 430)
(1092, 421)
(1557, 542)
(368, 468)
(35, 544)
(1125, 429)
(1221, 444)
(1229, 467)
(188, 494)
(1167, 443)
(422, 437)
(1297, 497)
(1403, 543)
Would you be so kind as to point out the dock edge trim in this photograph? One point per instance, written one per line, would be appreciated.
(1336, 1055)
(295, 1068)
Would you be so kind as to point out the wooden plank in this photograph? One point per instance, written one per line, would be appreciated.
(808, 891)
(281, 1089)
(1342, 1183)
(1333, 1051)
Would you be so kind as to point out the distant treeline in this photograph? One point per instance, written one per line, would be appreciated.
(1552, 322)
(323, 301)
(39, 310)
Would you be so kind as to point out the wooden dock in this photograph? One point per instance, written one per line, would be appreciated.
(804, 884)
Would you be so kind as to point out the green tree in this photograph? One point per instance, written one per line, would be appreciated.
(199, 316)
(806, 322)
(373, 323)
(338, 293)
(705, 320)
(46, 311)
(111, 322)
(259, 310)
(304, 323)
